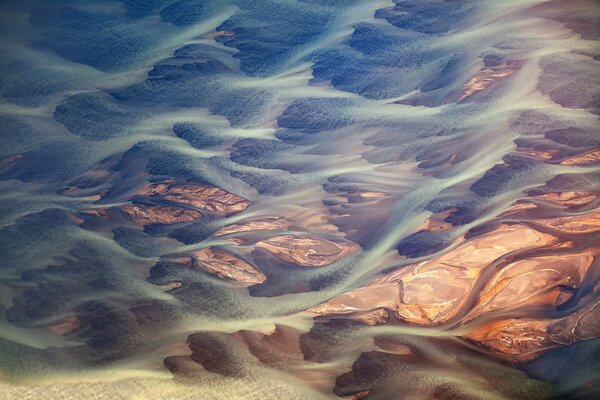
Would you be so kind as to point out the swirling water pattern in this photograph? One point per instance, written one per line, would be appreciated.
(286, 199)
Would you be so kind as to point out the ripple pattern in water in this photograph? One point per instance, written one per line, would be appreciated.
(299, 199)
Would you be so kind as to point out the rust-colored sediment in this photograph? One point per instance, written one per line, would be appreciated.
(570, 198)
(487, 77)
(264, 224)
(522, 339)
(146, 215)
(448, 290)
(436, 222)
(539, 281)
(433, 292)
(307, 251)
(68, 325)
(204, 197)
(362, 299)
(96, 212)
(584, 223)
(227, 266)
(589, 157)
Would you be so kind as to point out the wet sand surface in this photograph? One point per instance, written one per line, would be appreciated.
(309, 199)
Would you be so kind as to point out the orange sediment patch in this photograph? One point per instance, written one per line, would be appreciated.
(205, 197)
(307, 251)
(582, 223)
(272, 223)
(517, 207)
(146, 215)
(570, 198)
(376, 317)
(370, 195)
(487, 77)
(227, 266)
(77, 192)
(541, 154)
(68, 325)
(436, 223)
(589, 157)
(96, 212)
(366, 298)
(522, 339)
(433, 292)
(392, 347)
(534, 282)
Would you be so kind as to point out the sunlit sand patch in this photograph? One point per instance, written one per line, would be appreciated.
(526, 338)
(367, 298)
(433, 292)
(307, 251)
(270, 223)
(80, 193)
(96, 212)
(589, 157)
(67, 326)
(489, 76)
(204, 197)
(145, 215)
(518, 207)
(227, 266)
(570, 198)
(436, 222)
(541, 154)
(542, 281)
(356, 207)
(585, 223)
(219, 263)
